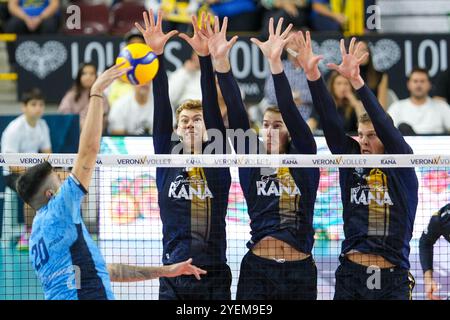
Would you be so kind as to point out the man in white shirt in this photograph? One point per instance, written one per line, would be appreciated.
(419, 114)
(184, 83)
(28, 133)
(132, 114)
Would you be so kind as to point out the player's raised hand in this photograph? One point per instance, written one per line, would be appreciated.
(351, 61)
(219, 46)
(154, 37)
(108, 76)
(198, 42)
(306, 57)
(273, 47)
(184, 268)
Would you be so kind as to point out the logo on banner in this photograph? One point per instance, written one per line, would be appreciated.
(338, 161)
(330, 51)
(41, 60)
(34, 161)
(433, 161)
(388, 161)
(143, 161)
(385, 54)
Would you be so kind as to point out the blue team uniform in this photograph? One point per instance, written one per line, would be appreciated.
(439, 226)
(379, 204)
(193, 201)
(66, 260)
(280, 204)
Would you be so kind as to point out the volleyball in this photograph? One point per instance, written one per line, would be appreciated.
(143, 61)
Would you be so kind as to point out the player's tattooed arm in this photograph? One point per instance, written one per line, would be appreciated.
(127, 273)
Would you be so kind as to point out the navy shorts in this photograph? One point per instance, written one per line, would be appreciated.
(265, 279)
(358, 282)
(215, 285)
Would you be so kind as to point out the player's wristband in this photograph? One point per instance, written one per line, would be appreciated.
(95, 95)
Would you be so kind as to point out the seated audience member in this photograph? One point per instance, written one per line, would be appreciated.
(442, 86)
(76, 100)
(419, 114)
(299, 86)
(28, 133)
(348, 105)
(324, 19)
(38, 16)
(243, 15)
(4, 14)
(293, 11)
(176, 13)
(133, 113)
(120, 88)
(377, 81)
(184, 83)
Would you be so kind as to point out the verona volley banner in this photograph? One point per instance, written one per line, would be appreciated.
(127, 197)
(42, 60)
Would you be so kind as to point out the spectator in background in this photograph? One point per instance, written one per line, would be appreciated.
(377, 81)
(120, 88)
(299, 85)
(76, 100)
(442, 88)
(243, 15)
(296, 12)
(176, 13)
(324, 19)
(419, 114)
(133, 113)
(184, 83)
(28, 133)
(348, 106)
(38, 16)
(4, 14)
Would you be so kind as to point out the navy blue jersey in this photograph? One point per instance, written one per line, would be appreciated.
(280, 201)
(193, 202)
(379, 204)
(67, 262)
(281, 204)
(439, 226)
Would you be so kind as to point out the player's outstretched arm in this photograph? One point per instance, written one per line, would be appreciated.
(333, 128)
(156, 39)
(199, 43)
(272, 49)
(92, 129)
(127, 273)
(391, 137)
(219, 48)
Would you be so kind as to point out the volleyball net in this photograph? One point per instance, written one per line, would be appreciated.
(122, 214)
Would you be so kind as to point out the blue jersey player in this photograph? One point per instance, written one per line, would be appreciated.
(66, 260)
(379, 204)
